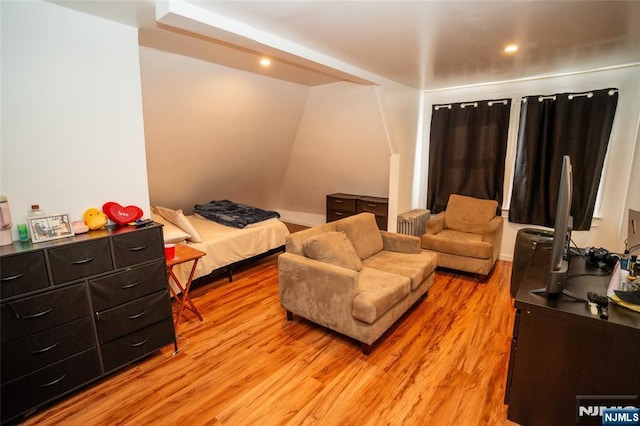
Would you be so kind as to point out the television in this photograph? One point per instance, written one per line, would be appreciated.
(561, 245)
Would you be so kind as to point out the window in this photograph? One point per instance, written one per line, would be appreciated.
(467, 148)
(574, 124)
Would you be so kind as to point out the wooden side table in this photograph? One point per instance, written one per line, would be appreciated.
(184, 253)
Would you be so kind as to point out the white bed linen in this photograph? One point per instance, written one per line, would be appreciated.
(225, 245)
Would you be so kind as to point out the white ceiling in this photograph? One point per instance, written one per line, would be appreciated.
(422, 44)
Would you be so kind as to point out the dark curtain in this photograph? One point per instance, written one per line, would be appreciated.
(467, 148)
(574, 124)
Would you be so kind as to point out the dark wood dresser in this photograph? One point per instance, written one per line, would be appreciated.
(343, 205)
(76, 309)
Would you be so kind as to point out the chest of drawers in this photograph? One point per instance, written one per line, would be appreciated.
(74, 310)
(342, 205)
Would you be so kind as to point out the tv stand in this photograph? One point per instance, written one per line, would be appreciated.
(561, 353)
(553, 295)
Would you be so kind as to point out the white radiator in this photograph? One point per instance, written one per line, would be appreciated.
(412, 222)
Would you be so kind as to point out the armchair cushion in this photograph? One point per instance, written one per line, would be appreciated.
(333, 247)
(379, 291)
(468, 214)
(458, 243)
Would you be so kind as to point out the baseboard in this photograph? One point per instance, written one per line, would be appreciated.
(300, 218)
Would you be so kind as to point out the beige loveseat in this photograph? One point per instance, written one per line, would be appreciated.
(466, 236)
(353, 278)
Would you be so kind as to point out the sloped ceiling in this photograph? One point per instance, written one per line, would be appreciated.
(421, 44)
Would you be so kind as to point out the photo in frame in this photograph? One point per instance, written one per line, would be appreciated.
(50, 227)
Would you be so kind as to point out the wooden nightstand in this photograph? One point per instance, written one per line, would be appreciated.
(184, 253)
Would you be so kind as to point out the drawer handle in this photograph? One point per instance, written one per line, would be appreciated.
(48, 348)
(338, 201)
(137, 315)
(36, 315)
(13, 277)
(372, 205)
(124, 287)
(338, 214)
(83, 261)
(46, 385)
(138, 248)
(135, 345)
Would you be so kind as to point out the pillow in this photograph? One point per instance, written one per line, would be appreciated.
(170, 232)
(181, 221)
(332, 247)
(362, 230)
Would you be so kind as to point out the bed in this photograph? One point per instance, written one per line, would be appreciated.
(226, 246)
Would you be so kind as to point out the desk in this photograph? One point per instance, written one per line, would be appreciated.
(184, 253)
(559, 350)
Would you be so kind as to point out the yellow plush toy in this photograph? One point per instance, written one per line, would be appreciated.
(95, 219)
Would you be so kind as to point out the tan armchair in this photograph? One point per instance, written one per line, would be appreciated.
(466, 236)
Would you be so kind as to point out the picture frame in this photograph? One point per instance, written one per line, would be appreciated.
(50, 227)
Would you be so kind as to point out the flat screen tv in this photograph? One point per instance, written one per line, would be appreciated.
(561, 246)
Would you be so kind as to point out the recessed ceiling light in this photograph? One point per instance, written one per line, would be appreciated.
(511, 48)
(265, 62)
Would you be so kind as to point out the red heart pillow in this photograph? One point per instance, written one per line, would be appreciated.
(121, 215)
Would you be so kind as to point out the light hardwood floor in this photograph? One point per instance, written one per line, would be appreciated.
(444, 363)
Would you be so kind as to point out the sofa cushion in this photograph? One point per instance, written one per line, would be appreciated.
(458, 243)
(332, 247)
(363, 233)
(295, 241)
(468, 214)
(414, 266)
(379, 291)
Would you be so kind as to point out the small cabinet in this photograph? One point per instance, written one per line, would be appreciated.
(73, 310)
(344, 205)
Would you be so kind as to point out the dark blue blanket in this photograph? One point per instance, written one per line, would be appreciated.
(233, 214)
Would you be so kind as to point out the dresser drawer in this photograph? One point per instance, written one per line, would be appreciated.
(23, 317)
(342, 203)
(116, 289)
(371, 205)
(335, 215)
(80, 260)
(46, 347)
(22, 273)
(41, 386)
(138, 344)
(133, 316)
(138, 247)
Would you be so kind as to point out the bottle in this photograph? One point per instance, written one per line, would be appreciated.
(625, 261)
(35, 211)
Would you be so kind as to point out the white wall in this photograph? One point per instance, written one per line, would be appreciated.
(72, 129)
(400, 112)
(341, 146)
(214, 132)
(620, 176)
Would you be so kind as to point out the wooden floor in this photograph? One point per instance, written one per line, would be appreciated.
(445, 363)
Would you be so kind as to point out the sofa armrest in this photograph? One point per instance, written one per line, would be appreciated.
(493, 234)
(316, 290)
(400, 243)
(493, 230)
(435, 224)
